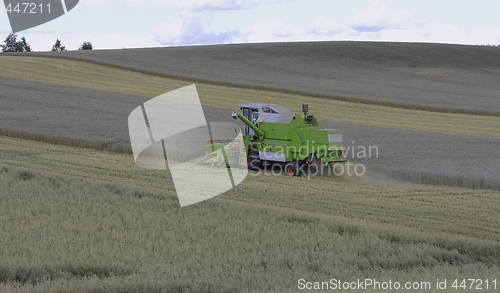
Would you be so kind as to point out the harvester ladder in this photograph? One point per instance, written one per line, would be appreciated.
(243, 155)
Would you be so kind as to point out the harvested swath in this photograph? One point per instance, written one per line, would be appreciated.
(416, 152)
(79, 143)
(72, 115)
(439, 77)
(454, 174)
(66, 112)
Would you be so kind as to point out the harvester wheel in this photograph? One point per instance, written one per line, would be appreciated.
(253, 158)
(291, 169)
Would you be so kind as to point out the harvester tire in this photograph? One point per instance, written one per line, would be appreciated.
(292, 169)
(254, 162)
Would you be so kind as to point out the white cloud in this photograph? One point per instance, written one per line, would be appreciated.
(431, 32)
(192, 5)
(324, 27)
(218, 5)
(379, 16)
(447, 33)
(277, 31)
(193, 25)
(274, 31)
(116, 4)
(192, 28)
(169, 33)
(486, 35)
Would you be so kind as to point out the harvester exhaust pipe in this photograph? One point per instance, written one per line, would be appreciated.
(305, 109)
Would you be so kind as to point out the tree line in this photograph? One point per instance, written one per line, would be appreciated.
(12, 44)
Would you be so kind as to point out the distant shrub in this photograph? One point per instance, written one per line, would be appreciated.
(86, 46)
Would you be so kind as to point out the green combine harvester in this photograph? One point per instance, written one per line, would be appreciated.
(275, 137)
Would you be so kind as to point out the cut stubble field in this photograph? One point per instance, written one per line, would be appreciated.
(92, 76)
(439, 77)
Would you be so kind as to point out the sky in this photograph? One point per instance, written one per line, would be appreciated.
(115, 24)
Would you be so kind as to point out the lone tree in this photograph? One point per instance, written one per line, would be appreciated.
(58, 46)
(11, 44)
(86, 46)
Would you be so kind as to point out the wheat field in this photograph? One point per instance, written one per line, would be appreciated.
(372, 197)
(78, 215)
(73, 220)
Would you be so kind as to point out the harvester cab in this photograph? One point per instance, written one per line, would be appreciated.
(252, 114)
(274, 136)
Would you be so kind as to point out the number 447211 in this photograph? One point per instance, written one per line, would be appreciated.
(474, 284)
(28, 8)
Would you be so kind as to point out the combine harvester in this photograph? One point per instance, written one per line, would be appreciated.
(275, 137)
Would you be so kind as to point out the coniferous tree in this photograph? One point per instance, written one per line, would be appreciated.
(11, 44)
(58, 46)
